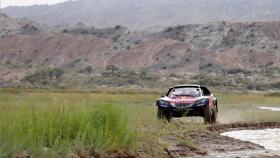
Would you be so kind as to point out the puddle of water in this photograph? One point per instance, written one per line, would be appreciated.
(275, 109)
(268, 138)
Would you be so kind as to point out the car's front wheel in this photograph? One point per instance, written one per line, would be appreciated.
(161, 114)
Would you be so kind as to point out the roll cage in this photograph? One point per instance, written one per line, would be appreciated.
(204, 91)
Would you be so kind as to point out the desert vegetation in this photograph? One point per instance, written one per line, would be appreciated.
(63, 123)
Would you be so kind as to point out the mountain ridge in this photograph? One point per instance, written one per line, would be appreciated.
(149, 14)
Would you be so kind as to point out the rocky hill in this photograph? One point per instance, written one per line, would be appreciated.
(251, 49)
(149, 14)
(9, 26)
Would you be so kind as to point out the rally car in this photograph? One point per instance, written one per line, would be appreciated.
(188, 100)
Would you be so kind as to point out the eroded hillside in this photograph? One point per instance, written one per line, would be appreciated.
(220, 48)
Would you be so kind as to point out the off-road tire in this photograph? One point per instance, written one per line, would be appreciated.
(216, 105)
(168, 116)
(160, 113)
(214, 115)
(207, 115)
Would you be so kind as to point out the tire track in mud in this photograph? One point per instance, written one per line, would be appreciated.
(210, 144)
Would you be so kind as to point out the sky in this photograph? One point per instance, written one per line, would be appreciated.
(6, 3)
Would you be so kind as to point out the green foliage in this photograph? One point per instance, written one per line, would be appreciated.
(243, 107)
(275, 94)
(275, 85)
(54, 126)
(112, 70)
(56, 123)
(117, 27)
(144, 75)
(119, 77)
(87, 70)
(64, 31)
(44, 77)
(238, 71)
(209, 80)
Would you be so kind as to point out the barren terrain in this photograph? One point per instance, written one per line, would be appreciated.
(244, 55)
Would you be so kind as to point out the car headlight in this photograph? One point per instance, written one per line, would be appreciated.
(202, 102)
(164, 103)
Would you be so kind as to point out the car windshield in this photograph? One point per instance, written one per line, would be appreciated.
(186, 91)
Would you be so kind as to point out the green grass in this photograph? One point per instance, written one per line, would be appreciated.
(242, 107)
(56, 123)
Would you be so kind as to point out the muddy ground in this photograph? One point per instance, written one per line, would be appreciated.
(210, 144)
(206, 144)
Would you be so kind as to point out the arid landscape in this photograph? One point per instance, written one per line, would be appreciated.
(243, 55)
(80, 79)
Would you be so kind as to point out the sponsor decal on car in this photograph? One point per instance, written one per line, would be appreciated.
(183, 100)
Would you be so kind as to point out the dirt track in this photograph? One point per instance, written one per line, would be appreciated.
(211, 144)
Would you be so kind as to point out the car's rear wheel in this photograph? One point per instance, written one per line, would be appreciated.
(214, 115)
(210, 115)
(207, 114)
(216, 105)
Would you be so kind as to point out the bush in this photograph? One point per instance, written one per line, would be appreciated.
(120, 77)
(235, 71)
(65, 31)
(112, 70)
(44, 75)
(276, 94)
(117, 27)
(275, 85)
(208, 80)
(87, 70)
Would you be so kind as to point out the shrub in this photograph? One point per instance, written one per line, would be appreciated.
(169, 29)
(43, 75)
(87, 70)
(65, 31)
(275, 94)
(275, 85)
(235, 71)
(209, 80)
(112, 70)
(117, 27)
